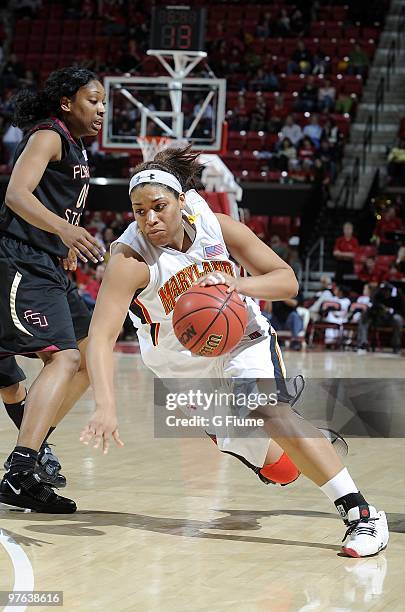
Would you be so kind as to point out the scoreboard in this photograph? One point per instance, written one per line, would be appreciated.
(178, 28)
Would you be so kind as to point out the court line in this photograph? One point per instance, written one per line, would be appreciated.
(23, 571)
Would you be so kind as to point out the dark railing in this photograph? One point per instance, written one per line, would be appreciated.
(367, 141)
(379, 100)
(391, 62)
(400, 27)
(349, 188)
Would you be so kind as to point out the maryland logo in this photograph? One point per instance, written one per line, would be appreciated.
(180, 282)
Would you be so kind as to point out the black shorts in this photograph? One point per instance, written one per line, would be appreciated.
(10, 372)
(40, 308)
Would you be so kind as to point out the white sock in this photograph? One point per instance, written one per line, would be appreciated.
(340, 485)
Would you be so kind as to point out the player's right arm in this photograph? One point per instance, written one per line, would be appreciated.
(123, 277)
(43, 147)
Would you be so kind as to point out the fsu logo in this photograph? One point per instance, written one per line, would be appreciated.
(35, 318)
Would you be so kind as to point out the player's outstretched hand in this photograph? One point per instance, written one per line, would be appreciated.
(82, 243)
(70, 261)
(100, 429)
(219, 278)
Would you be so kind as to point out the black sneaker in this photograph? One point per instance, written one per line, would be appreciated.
(25, 490)
(48, 467)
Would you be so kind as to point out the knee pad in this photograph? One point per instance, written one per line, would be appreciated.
(281, 472)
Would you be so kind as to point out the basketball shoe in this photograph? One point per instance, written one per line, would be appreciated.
(25, 490)
(367, 532)
(48, 467)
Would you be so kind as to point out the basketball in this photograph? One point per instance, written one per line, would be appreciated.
(208, 321)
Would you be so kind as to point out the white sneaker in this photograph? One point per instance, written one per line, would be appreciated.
(366, 535)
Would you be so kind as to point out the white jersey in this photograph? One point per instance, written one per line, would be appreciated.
(172, 272)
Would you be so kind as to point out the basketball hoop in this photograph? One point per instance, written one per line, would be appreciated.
(151, 145)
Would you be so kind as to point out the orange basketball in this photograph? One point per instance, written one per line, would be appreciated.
(208, 321)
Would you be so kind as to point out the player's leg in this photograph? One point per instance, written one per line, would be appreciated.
(12, 389)
(35, 318)
(49, 466)
(306, 449)
(81, 317)
(316, 458)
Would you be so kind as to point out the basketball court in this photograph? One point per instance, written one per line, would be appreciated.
(171, 524)
(175, 525)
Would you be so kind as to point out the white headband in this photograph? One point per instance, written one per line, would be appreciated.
(155, 176)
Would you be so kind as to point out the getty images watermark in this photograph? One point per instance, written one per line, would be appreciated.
(358, 407)
(190, 408)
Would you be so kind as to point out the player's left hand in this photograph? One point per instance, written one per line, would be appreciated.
(70, 262)
(100, 427)
(220, 278)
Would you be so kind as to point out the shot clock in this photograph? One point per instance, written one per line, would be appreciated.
(178, 28)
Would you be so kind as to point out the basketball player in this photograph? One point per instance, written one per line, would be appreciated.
(40, 310)
(157, 258)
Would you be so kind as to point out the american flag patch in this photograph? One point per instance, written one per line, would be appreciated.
(213, 250)
(254, 335)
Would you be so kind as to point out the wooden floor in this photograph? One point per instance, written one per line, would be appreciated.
(174, 526)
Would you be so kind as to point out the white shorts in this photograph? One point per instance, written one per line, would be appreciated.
(258, 358)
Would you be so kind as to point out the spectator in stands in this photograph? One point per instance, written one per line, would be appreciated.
(370, 273)
(240, 118)
(234, 61)
(327, 155)
(344, 251)
(258, 116)
(283, 23)
(13, 70)
(331, 132)
(297, 23)
(396, 164)
(278, 115)
(26, 8)
(400, 261)
(284, 316)
(90, 288)
(364, 298)
(321, 63)
(205, 124)
(313, 130)
(326, 96)
(344, 103)
(291, 130)
(301, 60)
(293, 258)
(358, 61)
(11, 137)
(130, 58)
(279, 247)
(306, 152)
(389, 222)
(341, 296)
(265, 27)
(324, 294)
(308, 96)
(387, 310)
(287, 154)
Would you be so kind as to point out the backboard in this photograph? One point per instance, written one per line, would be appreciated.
(188, 108)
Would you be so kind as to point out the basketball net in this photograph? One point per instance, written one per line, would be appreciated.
(151, 145)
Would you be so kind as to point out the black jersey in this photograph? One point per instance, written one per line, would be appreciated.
(62, 189)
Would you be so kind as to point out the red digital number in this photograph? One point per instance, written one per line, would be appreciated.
(184, 37)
